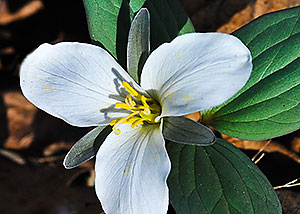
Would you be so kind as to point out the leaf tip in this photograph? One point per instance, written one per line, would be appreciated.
(67, 163)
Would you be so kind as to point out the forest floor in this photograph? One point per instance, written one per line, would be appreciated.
(33, 144)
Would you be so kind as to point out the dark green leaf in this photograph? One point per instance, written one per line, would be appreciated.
(187, 131)
(218, 179)
(138, 48)
(168, 20)
(109, 22)
(87, 147)
(268, 106)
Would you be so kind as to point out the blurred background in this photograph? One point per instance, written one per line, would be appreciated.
(33, 143)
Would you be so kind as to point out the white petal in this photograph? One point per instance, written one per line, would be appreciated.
(131, 172)
(79, 83)
(196, 71)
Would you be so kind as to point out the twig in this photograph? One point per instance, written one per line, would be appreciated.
(13, 156)
(260, 151)
(260, 157)
(289, 184)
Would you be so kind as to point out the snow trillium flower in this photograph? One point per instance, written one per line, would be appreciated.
(84, 85)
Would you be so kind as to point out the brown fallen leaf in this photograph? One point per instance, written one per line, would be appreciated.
(194, 116)
(254, 10)
(20, 114)
(273, 146)
(229, 15)
(29, 9)
(295, 144)
(56, 147)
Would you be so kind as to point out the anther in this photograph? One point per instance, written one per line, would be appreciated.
(143, 109)
(129, 101)
(131, 90)
(137, 122)
(117, 131)
(122, 120)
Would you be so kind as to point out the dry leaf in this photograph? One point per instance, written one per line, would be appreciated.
(29, 9)
(257, 145)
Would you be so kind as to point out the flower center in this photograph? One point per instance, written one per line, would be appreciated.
(144, 109)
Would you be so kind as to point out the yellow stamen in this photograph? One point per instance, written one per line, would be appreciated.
(113, 122)
(117, 132)
(129, 101)
(123, 120)
(150, 118)
(143, 109)
(137, 122)
(133, 119)
(124, 106)
(131, 90)
(144, 102)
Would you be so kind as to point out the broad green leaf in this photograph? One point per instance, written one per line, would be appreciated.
(268, 106)
(109, 22)
(187, 131)
(168, 20)
(218, 179)
(138, 47)
(87, 147)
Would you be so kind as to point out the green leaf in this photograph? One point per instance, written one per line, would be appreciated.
(187, 131)
(138, 48)
(168, 20)
(87, 147)
(268, 106)
(109, 22)
(218, 179)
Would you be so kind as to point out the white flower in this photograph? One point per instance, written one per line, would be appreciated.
(83, 85)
